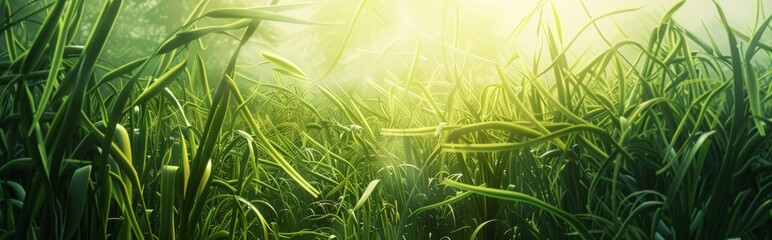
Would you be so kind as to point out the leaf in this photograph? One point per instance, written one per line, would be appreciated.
(77, 196)
(448, 201)
(366, 194)
(284, 66)
(252, 207)
(121, 196)
(169, 186)
(156, 87)
(266, 143)
(257, 14)
(347, 39)
(520, 197)
(186, 37)
(287, 7)
(754, 99)
(751, 80)
(222, 234)
(44, 36)
(479, 227)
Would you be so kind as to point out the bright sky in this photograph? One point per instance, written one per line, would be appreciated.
(484, 27)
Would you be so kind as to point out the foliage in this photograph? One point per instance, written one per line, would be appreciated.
(665, 139)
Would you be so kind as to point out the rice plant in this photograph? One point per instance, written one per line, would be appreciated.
(661, 138)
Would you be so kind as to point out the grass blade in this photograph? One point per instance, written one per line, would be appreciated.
(284, 66)
(519, 197)
(159, 84)
(366, 195)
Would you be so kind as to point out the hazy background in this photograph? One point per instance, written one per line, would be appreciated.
(467, 38)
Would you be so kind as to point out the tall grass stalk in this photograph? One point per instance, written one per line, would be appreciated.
(659, 139)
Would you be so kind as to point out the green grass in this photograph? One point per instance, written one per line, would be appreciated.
(662, 139)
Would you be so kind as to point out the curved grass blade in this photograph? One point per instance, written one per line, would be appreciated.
(266, 143)
(346, 40)
(257, 14)
(498, 147)
(448, 201)
(186, 37)
(284, 66)
(520, 197)
(252, 207)
(366, 195)
(222, 234)
(479, 227)
(76, 199)
(157, 87)
(43, 38)
(287, 7)
(121, 196)
(751, 81)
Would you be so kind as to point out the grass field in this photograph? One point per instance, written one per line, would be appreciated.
(661, 138)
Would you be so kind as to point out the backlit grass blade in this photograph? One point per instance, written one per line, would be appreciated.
(179, 158)
(159, 84)
(752, 82)
(196, 12)
(251, 155)
(202, 77)
(737, 75)
(53, 71)
(754, 99)
(417, 131)
(686, 164)
(479, 227)
(120, 151)
(520, 197)
(246, 113)
(288, 6)
(252, 208)
(512, 128)
(512, 95)
(366, 194)
(257, 14)
(119, 71)
(498, 147)
(186, 37)
(346, 39)
(284, 66)
(573, 40)
(448, 201)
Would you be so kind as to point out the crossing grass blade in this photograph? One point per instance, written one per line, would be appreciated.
(159, 84)
(258, 14)
(519, 197)
(186, 37)
(246, 113)
(752, 82)
(448, 201)
(44, 35)
(637, 140)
